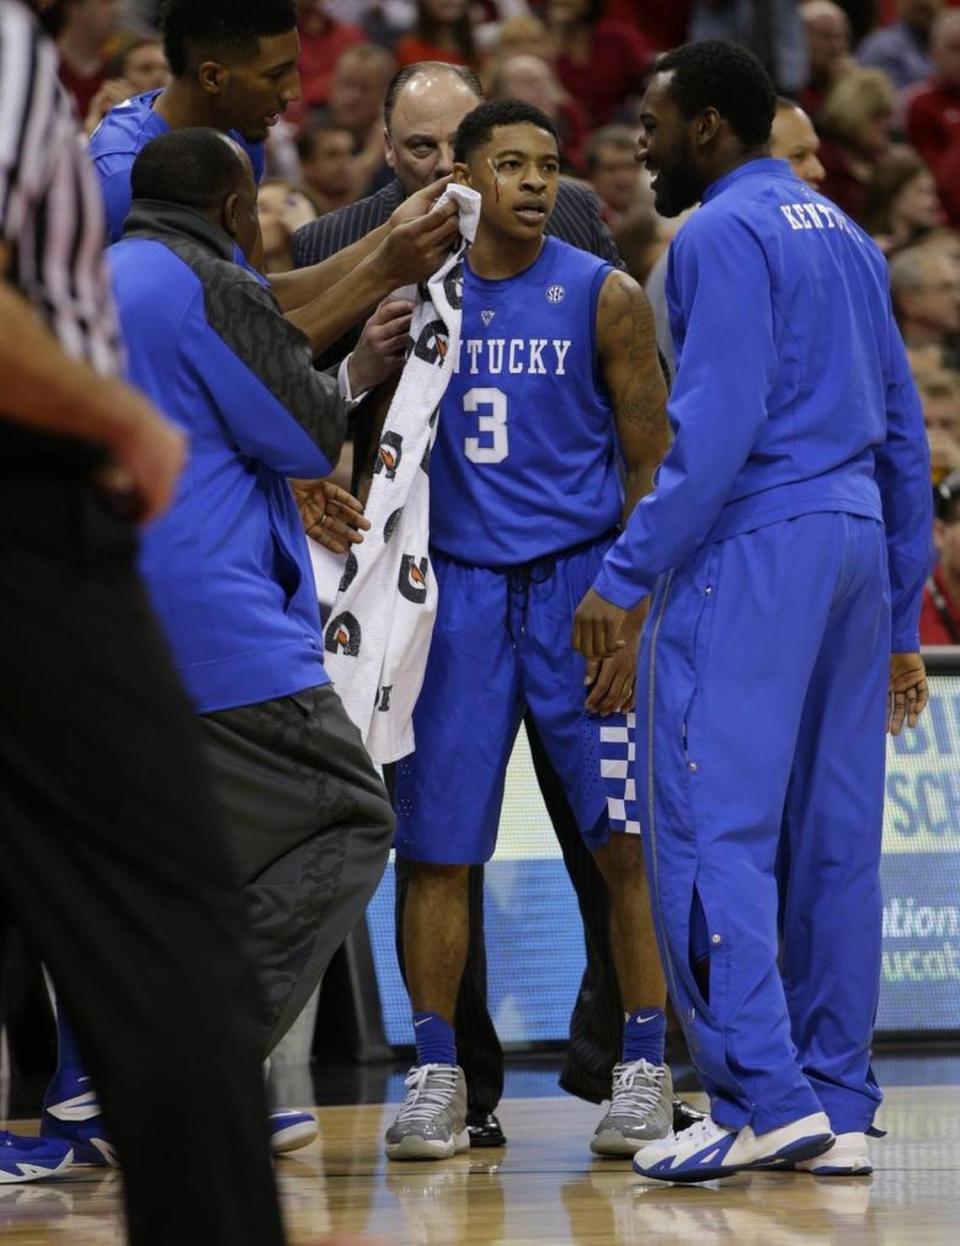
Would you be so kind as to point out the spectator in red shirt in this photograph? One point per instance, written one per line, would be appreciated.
(828, 50)
(940, 614)
(600, 61)
(854, 123)
(933, 113)
(444, 32)
(322, 42)
(81, 29)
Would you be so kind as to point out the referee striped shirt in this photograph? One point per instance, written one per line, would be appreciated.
(51, 224)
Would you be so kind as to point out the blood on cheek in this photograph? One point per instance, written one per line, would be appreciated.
(496, 178)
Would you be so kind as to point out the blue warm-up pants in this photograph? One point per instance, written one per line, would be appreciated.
(761, 703)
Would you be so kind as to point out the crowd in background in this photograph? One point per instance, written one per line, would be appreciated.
(880, 80)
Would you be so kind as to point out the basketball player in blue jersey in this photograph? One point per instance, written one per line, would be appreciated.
(557, 382)
(234, 67)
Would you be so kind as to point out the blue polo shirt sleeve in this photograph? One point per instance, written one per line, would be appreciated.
(903, 477)
(258, 369)
(116, 199)
(719, 277)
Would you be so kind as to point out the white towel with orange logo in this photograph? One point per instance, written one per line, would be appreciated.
(378, 635)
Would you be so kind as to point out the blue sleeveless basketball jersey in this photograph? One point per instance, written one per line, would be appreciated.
(525, 460)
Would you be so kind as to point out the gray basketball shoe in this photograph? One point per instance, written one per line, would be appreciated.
(641, 1109)
(432, 1121)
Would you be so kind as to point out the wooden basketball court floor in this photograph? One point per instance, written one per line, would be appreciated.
(545, 1188)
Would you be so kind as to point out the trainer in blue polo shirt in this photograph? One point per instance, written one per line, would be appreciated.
(227, 571)
(234, 66)
(786, 546)
(227, 567)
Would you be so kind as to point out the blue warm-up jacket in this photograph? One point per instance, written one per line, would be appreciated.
(227, 567)
(793, 393)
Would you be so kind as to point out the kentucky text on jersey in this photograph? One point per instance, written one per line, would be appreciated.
(534, 356)
(817, 215)
(525, 461)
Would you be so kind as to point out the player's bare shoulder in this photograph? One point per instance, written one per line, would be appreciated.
(625, 319)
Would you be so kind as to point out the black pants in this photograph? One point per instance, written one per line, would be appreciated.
(112, 862)
(309, 826)
(596, 1025)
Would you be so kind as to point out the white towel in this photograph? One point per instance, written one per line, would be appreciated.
(378, 636)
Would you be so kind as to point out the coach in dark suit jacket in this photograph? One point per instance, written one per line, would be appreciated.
(423, 107)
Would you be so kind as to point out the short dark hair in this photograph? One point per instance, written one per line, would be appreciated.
(308, 136)
(221, 29)
(725, 76)
(196, 167)
(478, 126)
(408, 72)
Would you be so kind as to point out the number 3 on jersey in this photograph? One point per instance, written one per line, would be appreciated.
(495, 423)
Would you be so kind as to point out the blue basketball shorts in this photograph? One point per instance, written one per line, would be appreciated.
(502, 645)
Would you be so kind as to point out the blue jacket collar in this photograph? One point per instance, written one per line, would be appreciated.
(752, 168)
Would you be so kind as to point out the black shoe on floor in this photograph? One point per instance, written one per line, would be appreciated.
(484, 1130)
(684, 1115)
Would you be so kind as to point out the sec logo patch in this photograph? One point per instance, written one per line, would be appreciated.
(555, 294)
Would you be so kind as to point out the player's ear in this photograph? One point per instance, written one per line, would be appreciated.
(708, 124)
(461, 175)
(231, 213)
(212, 75)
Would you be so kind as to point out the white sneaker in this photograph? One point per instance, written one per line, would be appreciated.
(291, 1129)
(848, 1157)
(707, 1151)
(432, 1121)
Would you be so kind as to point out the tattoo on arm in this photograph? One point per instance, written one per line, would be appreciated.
(631, 367)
